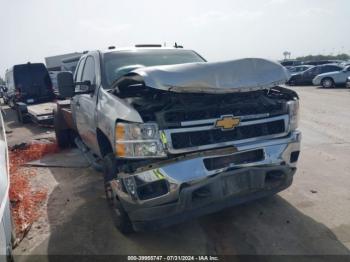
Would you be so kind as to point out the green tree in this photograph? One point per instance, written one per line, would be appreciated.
(2, 82)
(324, 57)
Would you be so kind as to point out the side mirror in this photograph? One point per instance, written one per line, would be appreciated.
(65, 83)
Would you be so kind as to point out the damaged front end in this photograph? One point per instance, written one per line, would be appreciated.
(199, 152)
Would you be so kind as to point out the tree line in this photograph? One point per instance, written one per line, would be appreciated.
(324, 57)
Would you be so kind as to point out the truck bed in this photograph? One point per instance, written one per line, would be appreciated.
(41, 109)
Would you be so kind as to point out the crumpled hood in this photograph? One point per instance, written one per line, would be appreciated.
(219, 77)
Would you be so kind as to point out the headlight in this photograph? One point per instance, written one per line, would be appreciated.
(138, 140)
(293, 110)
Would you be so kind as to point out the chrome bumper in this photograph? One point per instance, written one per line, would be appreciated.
(189, 174)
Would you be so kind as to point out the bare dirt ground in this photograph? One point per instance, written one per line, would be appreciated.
(311, 217)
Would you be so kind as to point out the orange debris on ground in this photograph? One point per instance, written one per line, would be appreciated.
(25, 201)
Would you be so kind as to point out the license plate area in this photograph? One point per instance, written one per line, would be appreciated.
(242, 182)
(234, 159)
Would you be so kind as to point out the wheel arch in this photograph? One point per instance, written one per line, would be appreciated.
(327, 77)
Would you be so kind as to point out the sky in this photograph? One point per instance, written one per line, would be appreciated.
(219, 30)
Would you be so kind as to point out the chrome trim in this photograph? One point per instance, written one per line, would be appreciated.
(192, 171)
(213, 120)
(171, 150)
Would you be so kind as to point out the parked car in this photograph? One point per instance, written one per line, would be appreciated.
(2, 90)
(348, 82)
(322, 62)
(28, 83)
(299, 69)
(332, 79)
(289, 63)
(5, 214)
(53, 77)
(179, 137)
(306, 77)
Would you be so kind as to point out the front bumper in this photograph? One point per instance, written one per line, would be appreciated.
(194, 190)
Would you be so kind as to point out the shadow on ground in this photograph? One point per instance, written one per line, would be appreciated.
(81, 224)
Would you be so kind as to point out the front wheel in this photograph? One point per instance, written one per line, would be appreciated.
(327, 83)
(119, 215)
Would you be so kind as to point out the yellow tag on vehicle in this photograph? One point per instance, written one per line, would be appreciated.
(163, 137)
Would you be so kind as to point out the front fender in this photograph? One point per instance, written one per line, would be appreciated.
(110, 109)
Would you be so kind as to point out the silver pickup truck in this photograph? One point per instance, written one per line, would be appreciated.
(180, 137)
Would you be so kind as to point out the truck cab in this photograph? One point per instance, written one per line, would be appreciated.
(180, 137)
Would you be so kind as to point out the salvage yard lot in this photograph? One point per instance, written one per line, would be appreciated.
(311, 217)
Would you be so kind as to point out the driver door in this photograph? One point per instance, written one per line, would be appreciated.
(85, 106)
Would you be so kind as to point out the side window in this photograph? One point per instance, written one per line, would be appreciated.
(330, 68)
(89, 70)
(318, 70)
(310, 72)
(79, 70)
(323, 69)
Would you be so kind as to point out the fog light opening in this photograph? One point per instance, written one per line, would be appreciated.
(153, 189)
(294, 156)
(272, 177)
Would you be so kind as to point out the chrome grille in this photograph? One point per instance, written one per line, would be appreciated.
(188, 139)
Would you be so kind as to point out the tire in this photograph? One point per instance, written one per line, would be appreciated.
(11, 103)
(64, 136)
(119, 215)
(19, 116)
(327, 82)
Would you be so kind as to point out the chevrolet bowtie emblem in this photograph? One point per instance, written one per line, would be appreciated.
(227, 122)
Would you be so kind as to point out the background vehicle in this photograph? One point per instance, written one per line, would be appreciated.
(5, 214)
(70, 64)
(332, 79)
(2, 90)
(299, 69)
(306, 77)
(348, 82)
(288, 63)
(182, 139)
(28, 83)
(53, 77)
(321, 62)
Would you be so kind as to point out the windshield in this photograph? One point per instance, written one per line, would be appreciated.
(117, 64)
